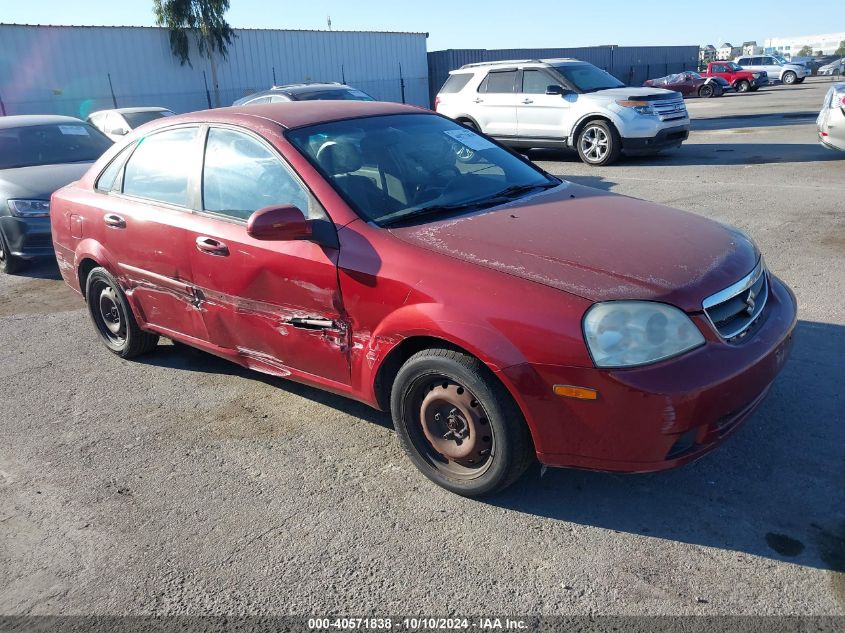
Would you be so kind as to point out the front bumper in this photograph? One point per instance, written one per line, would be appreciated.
(664, 139)
(660, 416)
(27, 238)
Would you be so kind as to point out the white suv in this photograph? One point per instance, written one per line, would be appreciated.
(778, 69)
(563, 103)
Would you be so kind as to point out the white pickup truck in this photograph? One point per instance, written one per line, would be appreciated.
(563, 103)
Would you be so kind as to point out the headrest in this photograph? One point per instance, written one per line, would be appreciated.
(338, 158)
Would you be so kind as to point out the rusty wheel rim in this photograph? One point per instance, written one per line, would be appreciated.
(453, 431)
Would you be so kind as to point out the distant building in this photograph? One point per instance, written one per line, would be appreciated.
(707, 54)
(789, 46)
(751, 48)
(725, 51)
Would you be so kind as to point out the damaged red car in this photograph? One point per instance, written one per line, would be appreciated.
(390, 255)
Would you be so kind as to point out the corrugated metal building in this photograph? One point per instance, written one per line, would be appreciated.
(630, 64)
(65, 69)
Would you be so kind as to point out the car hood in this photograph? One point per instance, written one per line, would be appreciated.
(39, 182)
(629, 93)
(597, 245)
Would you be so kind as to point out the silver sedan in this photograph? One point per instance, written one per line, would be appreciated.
(831, 121)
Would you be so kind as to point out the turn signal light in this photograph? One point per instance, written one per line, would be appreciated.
(581, 393)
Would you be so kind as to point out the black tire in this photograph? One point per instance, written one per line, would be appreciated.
(469, 123)
(113, 318)
(789, 78)
(482, 417)
(9, 264)
(601, 132)
(706, 91)
(742, 86)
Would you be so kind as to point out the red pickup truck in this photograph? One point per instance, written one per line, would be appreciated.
(741, 80)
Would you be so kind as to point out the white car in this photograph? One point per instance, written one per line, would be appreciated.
(778, 69)
(836, 67)
(563, 103)
(831, 121)
(119, 122)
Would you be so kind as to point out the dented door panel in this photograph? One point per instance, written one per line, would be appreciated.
(276, 304)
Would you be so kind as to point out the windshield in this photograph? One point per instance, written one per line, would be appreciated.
(50, 144)
(392, 168)
(137, 119)
(341, 94)
(588, 78)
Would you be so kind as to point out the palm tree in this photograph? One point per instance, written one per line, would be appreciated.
(205, 20)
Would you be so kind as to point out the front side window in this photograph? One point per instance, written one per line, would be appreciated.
(242, 175)
(161, 166)
(52, 144)
(588, 78)
(718, 68)
(535, 82)
(499, 82)
(399, 168)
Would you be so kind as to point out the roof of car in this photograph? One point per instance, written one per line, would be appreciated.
(25, 120)
(506, 62)
(292, 114)
(131, 110)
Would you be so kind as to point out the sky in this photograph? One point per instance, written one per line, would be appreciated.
(488, 23)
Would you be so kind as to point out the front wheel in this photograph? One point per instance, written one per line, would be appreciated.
(599, 143)
(111, 314)
(789, 78)
(458, 424)
(743, 86)
(9, 264)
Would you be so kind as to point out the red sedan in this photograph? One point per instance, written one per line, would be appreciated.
(389, 254)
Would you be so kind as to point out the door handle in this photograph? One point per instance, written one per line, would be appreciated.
(478, 100)
(114, 221)
(527, 101)
(211, 246)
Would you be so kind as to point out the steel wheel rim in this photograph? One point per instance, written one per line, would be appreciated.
(449, 427)
(595, 143)
(789, 78)
(108, 313)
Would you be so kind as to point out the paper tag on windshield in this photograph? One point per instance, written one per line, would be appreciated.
(470, 139)
(73, 130)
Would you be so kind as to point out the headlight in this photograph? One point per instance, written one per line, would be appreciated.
(30, 208)
(640, 107)
(629, 333)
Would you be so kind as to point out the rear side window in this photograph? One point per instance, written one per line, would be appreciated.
(498, 82)
(108, 180)
(241, 175)
(161, 166)
(455, 83)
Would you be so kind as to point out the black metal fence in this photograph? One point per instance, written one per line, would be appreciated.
(630, 64)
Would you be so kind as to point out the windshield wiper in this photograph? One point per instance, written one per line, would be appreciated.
(437, 209)
(516, 190)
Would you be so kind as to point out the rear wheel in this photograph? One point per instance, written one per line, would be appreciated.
(9, 264)
(789, 78)
(458, 424)
(706, 91)
(111, 314)
(599, 143)
(742, 86)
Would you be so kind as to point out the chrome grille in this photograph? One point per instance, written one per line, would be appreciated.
(670, 109)
(733, 310)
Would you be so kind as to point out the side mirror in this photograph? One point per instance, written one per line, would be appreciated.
(281, 223)
(555, 89)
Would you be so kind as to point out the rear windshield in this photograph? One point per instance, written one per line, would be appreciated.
(588, 78)
(51, 144)
(136, 119)
(455, 83)
(342, 94)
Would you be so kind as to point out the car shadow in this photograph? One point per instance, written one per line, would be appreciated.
(694, 154)
(775, 489)
(187, 358)
(46, 269)
(744, 121)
